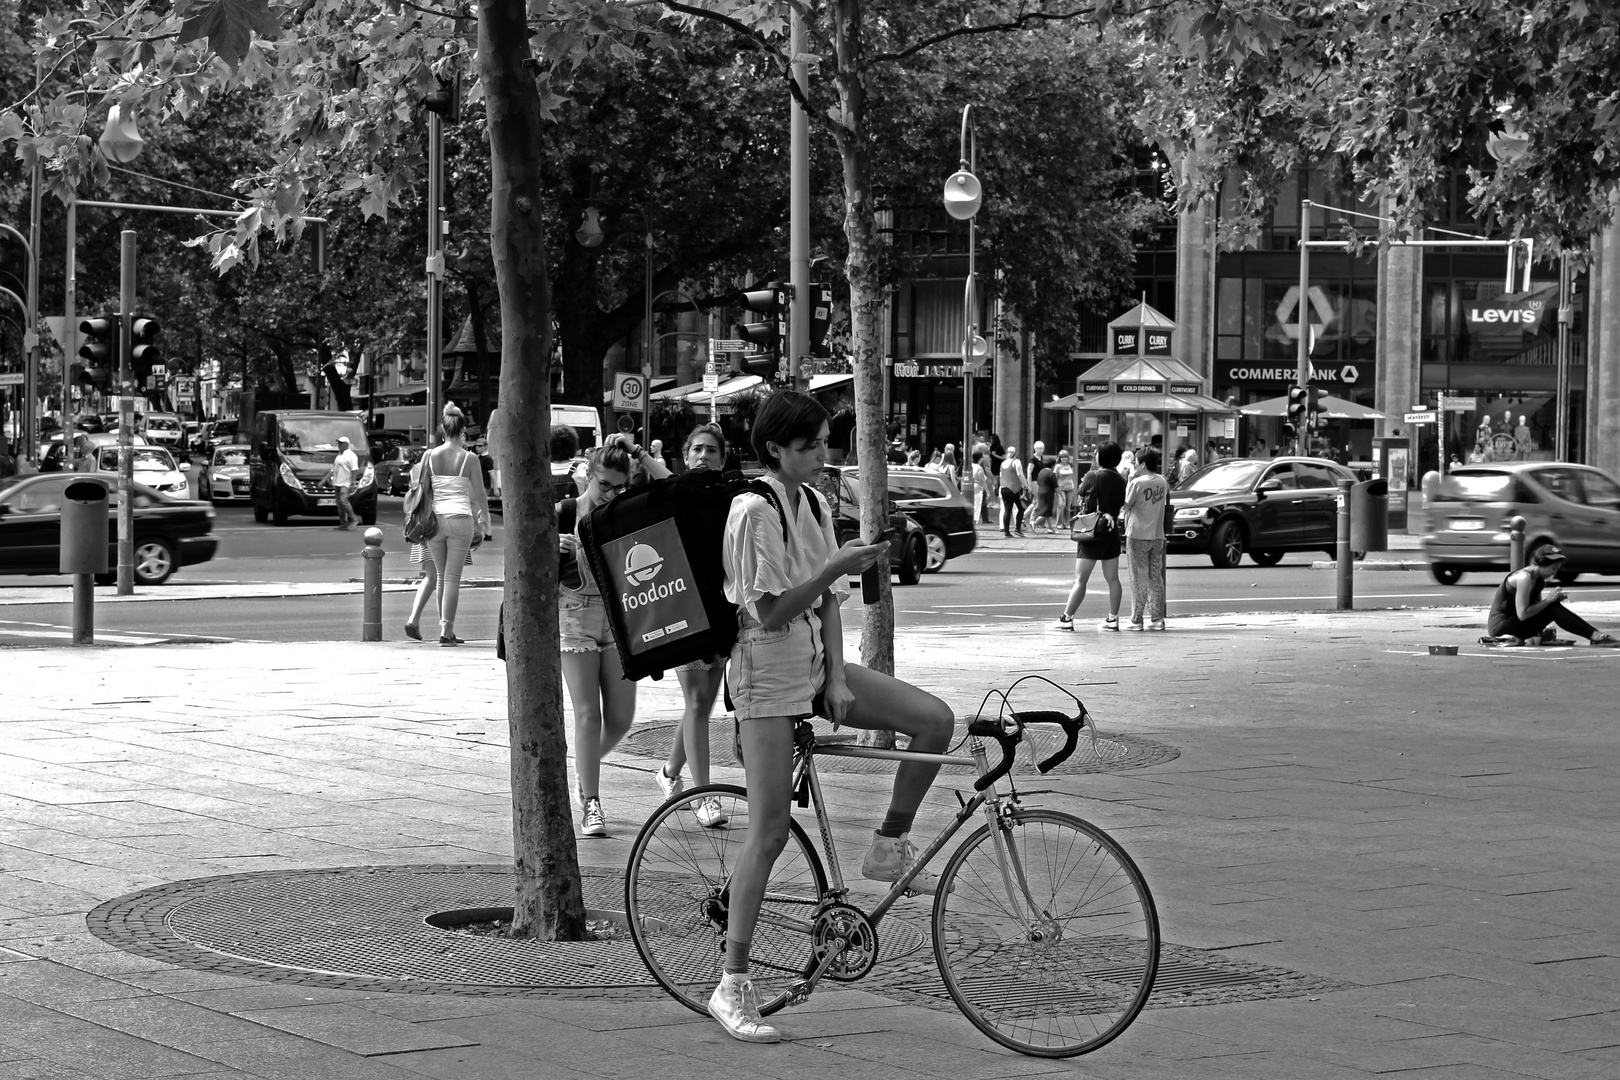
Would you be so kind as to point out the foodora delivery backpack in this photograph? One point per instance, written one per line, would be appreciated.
(657, 555)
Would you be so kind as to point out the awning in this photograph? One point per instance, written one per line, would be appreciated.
(1332, 407)
(1151, 403)
(728, 389)
(827, 382)
(674, 393)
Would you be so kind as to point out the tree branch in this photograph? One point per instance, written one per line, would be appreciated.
(1018, 23)
(752, 35)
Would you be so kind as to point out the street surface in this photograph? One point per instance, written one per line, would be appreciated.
(1013, 582)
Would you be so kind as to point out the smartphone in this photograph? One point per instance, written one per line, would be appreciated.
(871, 577)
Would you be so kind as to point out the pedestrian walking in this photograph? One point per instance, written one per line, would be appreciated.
(788, 664)
(462, 507)
(1045, 494)
(1102, 492)
(1066, 485)
(984, 486)
(341, 476)
(700, 680)
(1012, 493)
(1523, 609)
(1145, 499)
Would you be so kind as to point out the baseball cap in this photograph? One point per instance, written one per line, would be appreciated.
(343, 440)
(1549, 554)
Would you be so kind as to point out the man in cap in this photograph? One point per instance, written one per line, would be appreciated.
(344, 466)
(1524, 610)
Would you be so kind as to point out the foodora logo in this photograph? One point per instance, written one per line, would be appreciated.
(642, 563)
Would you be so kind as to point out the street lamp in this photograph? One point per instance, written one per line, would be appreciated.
(963, 197)
(120, 141)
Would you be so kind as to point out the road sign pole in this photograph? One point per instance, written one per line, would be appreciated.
(126, 415)
(1344, 565)
(1304, 351)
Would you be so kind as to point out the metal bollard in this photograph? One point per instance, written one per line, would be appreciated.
(371, 617)
(1516, 544)
(1344, 562)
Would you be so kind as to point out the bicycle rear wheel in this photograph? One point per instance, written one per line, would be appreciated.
(677, 889)
(1045, 934)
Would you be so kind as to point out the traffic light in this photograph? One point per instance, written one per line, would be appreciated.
(770, 302)
(1314, 407)
(99, 352)
(143, 349)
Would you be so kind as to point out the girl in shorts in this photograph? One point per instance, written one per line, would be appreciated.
(700, 680)
(788, 664)
(604, 701)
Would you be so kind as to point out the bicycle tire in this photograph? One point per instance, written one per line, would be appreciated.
(677, 872)
(1069, 982)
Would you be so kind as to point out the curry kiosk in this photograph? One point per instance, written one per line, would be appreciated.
(1142, 394)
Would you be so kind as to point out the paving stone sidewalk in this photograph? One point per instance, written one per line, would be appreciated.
(1427, 841)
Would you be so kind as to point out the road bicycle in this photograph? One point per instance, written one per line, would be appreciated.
(1044, 930)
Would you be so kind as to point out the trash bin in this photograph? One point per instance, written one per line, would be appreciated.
(1369, 516)
(84, 528)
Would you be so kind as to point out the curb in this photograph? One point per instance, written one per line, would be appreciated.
(1374, 565)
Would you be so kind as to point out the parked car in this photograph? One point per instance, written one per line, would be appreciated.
(290, 459)
(394, 470)
(1575, 507)
(152, 466)
(1266, 507)
(169, 533)
(226, 477)
(933, 500)
(908, 548)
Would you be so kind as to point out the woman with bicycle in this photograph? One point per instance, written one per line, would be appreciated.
(788, 664)
(700, 680)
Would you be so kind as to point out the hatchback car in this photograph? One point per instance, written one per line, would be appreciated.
(225, 478)
(152, 466)
(1266, 507)
(169, 533)
(934, 501)
(1575, 507)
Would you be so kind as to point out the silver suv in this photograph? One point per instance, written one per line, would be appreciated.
(1575, 507)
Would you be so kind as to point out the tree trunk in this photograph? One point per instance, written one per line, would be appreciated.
(865, 301)
(549, 903)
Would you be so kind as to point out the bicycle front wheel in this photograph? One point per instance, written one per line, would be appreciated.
(1045, 934)
(677, 892)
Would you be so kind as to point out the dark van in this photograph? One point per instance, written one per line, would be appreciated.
(290, 458)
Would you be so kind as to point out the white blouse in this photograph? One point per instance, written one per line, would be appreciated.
(758, 563)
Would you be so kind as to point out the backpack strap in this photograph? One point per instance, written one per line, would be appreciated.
(761, 488)
(567, 515)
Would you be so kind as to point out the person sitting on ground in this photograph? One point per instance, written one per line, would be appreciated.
(1523, 609)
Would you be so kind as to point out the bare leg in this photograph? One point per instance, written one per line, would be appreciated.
(691, 743)
(618, 701)
(882, 701)
(424, 592)
(1116, 593)
(767, 744)
(1077, 595)
(582, 672)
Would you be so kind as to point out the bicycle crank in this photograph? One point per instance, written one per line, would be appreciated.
(847, 934)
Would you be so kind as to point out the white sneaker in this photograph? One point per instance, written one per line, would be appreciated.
(891, 858)
(1066, 622)
(671, 786)
(709, 814)
(1156, 624)
(1110, 624)
(591, 822)
(734, 1004)
(1133, 625)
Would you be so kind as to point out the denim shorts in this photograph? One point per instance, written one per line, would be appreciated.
(777, 672)
(583, 621)
(704, 665)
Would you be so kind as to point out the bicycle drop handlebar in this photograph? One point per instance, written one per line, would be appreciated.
(1008, 741)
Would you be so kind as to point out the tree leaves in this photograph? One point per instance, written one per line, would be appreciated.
(229, 25)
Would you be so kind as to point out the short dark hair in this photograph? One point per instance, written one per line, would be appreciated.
(564, 442)
(785, 416)
(1149, 460)
(1109, 456)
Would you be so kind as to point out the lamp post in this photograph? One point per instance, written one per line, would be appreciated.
(963, 197)
(30, 336)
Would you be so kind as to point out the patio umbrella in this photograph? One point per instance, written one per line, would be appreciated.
(1332, 407)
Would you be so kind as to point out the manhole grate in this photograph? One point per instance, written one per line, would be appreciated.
(366, 926)
(1112, 753)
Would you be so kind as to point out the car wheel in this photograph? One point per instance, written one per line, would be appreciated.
(1268, 557)
(277, 514)
(369, 517)
(911, 566)
(155, 560)
(260, 514)
(936, 552)
(1226, 545)
(106, 579)
(1445, 574)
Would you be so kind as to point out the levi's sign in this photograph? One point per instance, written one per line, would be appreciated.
(1526, 313)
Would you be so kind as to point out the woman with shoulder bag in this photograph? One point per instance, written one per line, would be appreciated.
(1097, 537)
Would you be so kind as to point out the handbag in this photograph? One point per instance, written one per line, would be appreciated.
(1094, 525)
(421, 523)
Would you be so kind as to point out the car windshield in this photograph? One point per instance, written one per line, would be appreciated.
(162, 423)
(317, 436)
(1477, 487)
(1224, 476)
(234, 456)
(144, 457)
(908, 486)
